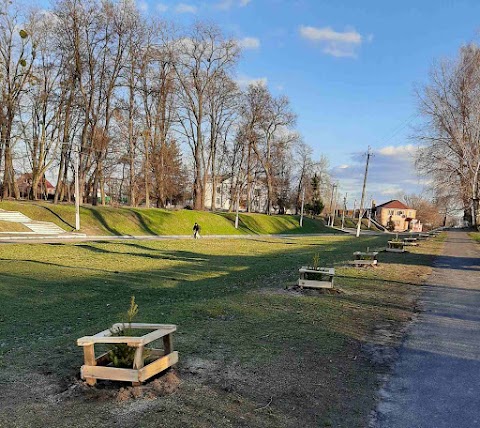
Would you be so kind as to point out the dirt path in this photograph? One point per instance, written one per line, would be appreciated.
(436, 381)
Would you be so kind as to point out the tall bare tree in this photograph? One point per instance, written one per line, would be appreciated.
(203, 55)
(450, 136)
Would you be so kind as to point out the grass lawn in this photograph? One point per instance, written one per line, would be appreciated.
(252, 354)
(141, 221)
(475, 235)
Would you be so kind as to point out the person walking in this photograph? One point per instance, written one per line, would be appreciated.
(196, 231)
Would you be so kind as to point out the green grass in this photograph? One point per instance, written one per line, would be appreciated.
(475, 235)
(299, 353)
(8, 226)
(138, 221)
(352, 223)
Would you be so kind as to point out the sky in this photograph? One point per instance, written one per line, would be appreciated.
(349, 68)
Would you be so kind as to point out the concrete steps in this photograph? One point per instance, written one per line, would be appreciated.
(44, 228)
(37, 227)
(13, 216)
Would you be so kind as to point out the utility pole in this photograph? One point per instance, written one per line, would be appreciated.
(238, 208)
(77, 192)
(335, 205)
(331, 206)
(370, 213)
(303, 203)
(343, 211)
(360, 214)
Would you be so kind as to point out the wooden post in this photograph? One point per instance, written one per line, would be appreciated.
(168, 344)
(138, 362)
(89, 357)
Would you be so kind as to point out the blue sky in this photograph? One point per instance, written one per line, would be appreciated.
(349, 68)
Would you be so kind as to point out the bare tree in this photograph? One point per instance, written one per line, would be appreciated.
(450, 137)
(17, 55)
(203, 56)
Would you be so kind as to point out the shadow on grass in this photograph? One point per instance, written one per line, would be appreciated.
(58, 216)
(190, 293)
(102, 221)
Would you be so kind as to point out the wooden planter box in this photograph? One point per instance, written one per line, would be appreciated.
(395, 247)
(98, 367)
(367, 258)
(316, 278)
(410, 242)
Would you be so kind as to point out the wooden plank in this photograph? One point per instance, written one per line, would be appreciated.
(326, 271)
(168, 344)
(109, 373)
(89, 358)
(305, 283)
(103, 333)
(130, 340)
(157, 366)
(138, 360)
(103, 359)
(395, 250)
(363, 262)
(146, 326)
(156, 334)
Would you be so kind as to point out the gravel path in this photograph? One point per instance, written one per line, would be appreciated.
(436, 381)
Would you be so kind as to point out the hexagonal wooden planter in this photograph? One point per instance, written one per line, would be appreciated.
(100, 367)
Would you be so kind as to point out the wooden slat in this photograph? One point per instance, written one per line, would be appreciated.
(158, 366)
(110, 373)
(154, 335)
(147, 326)
(103, 359)
(130, 340)
(306, 283)
(168, 344)
(138, 361)
(89, 358)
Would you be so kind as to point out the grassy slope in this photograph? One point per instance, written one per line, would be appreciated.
(8, 226)
(138, 221)
(270, 358)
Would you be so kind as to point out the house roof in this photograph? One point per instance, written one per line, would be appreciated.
(394, 203)
(28, 177)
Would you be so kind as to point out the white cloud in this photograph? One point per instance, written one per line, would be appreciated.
(391, 191)
(244, 81)
(161, 7)
(142, 5)
(229, 4)
(335, 43)
(185, 8)
(249, 43)
(409, 150)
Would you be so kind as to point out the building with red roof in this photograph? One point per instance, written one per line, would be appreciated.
(403, 217)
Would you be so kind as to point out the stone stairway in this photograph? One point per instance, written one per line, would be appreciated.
(37, 227)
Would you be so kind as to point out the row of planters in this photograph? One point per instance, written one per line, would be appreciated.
(317, 277)
(130, 355)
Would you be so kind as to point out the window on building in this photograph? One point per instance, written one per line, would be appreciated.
(218, 201)
(399, 212)
(390, 212)
(219, 189)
